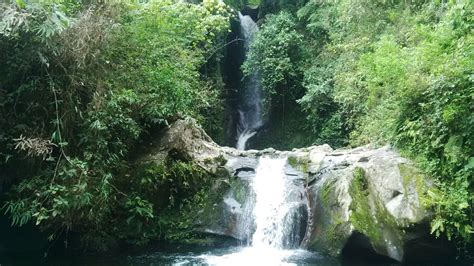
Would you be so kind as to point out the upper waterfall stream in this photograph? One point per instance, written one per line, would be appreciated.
(250, 105)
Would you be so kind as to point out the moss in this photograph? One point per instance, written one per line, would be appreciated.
(409, 174)
(220, 160)
(370, 217)
(179, 224)
(212, 196)
(240, 190)
(362, 218)
(293, 161)
(179, 192)
(325, 192)
(222, 173)
(300, 164)
(334, 240)
(332, 230)
(413, 176)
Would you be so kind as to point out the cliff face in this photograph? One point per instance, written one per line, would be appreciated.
(365, 198)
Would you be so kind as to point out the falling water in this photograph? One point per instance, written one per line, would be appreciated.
(250, 107)
(271, 206)
(275, 216)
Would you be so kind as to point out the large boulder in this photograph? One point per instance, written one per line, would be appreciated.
(372, 192)
(366, 197)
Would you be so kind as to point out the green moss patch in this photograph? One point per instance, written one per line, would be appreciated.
(298, 163)
(362, 218)
(370, 217)
(409, 174)
(332, 229)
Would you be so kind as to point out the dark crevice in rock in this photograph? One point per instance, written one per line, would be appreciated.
(244, 170)
(291, 174)
(251, 11)
(342, 165)
(300, 217)
(359, 249)
(426, 248)
(395, 193)
(312, 181)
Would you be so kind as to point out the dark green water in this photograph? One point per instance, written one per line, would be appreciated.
(181, 255)
(198, 255)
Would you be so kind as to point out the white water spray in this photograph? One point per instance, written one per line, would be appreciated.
(271, 207)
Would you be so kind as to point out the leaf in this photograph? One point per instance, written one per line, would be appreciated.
(437, 226)
(463, 205)
(63, 144)
(21, 4)
(470, 164)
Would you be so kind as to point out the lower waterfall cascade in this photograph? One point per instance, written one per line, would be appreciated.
(273, 205)
(269, 218)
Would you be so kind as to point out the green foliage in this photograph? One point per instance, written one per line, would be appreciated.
(239, 4)
(274, 6)
(322, 111)
(399, 72)
(276, 54)
(42, 20)
(381, 72)
(285, 60)
(162, 202)
(254, 2)
(287, 129)
(80, 87)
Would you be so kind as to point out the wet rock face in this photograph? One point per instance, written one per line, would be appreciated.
(372, 193)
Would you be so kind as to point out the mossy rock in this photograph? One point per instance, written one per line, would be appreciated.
(370, 217)
(299, 163)
(331, 226)
(240, 190)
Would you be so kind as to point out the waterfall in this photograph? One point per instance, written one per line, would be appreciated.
(250, 107)
(273, 214)
(270, 208)
(273, 218)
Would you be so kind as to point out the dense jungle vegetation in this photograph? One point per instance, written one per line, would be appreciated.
(83, 84)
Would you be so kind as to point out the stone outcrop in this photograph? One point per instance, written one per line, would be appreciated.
(372, 193)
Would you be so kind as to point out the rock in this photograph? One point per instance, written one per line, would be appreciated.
(347, 195)
(222, 217)
(251, 11)
(374, 192)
